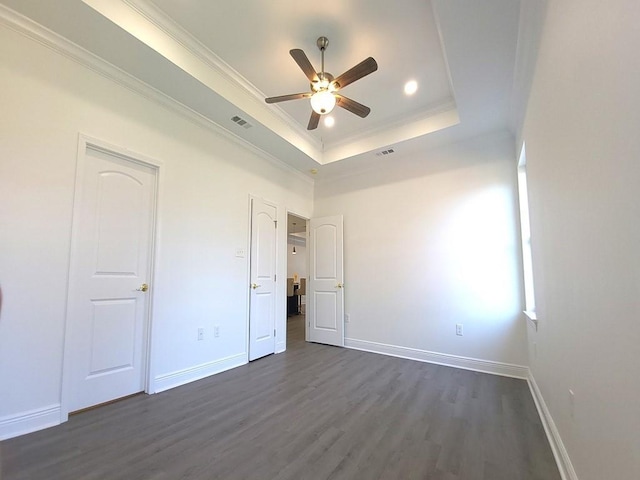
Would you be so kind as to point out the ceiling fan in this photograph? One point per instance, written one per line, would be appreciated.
(324, 87)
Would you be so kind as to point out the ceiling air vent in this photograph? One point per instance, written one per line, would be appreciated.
(241, 121)
(388, 151)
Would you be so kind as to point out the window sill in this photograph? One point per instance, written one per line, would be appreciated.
(532, 317)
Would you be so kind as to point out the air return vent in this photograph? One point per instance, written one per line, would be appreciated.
(387, 151)
(241, 121)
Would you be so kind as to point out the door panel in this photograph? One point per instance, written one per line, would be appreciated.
(111, 259)
(262, 308)
(326, 284)
(113, 336)
(325, 252)
(325, 306)
(118, 224)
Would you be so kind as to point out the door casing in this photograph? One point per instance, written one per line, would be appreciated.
(85, 142)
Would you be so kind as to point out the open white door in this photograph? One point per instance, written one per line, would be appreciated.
(325, 296)
(262, 306)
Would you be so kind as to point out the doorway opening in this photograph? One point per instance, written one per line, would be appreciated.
(297, 279)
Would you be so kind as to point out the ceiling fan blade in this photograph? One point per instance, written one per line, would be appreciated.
(313, 121)
(305, 65)
(284, 98)
(352, 106)
(363, 69)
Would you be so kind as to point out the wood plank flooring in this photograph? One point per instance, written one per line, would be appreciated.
(314, 412)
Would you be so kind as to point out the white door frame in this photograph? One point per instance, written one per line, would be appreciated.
(286, 266)
(85, 142)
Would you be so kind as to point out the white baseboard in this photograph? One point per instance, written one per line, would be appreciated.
(466, 363)
(563, 461)
(31, 421)
(182, 377)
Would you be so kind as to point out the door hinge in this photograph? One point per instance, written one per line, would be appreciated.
(274, 332)
(274, 278)
(276, 222)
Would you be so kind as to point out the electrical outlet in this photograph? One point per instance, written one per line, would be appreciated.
(459, 329)
(201, 334)
(216, 331)
(347, 318)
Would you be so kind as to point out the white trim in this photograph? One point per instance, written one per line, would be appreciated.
(553, 435)
(49, 39)
(532, 318)
(457, 361)
(198, 372)
(30, 421)
(186, 40)
(130, 19)
(445, 106)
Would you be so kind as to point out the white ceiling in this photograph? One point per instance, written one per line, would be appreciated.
(222, 58)
(255, 38)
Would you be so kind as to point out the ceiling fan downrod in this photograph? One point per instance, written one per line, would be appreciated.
(323, 43)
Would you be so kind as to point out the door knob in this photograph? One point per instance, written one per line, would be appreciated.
(143, 288)
(255, 285)
(340, 285)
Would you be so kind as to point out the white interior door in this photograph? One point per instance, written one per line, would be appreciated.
(262, 307)
(325, 295)
(105, 351)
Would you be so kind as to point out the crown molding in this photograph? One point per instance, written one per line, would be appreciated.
(183, 53)
(186, 40)
(62, 46)
(423, 123)
(251, 100)
(446, 105)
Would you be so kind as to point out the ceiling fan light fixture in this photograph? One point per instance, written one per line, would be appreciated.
(323, 102)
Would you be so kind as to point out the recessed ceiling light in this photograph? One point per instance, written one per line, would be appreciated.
(329, 122)
(410, 87)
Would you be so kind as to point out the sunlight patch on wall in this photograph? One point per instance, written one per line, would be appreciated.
(480, 246)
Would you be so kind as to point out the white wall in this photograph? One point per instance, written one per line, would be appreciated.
(47, 99)
(583, 154)
(432, 241)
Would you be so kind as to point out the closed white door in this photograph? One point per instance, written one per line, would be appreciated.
(262, 307)
(105, 351)
(325, 292)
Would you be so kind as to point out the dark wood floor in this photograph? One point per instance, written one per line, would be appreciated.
(314, 412)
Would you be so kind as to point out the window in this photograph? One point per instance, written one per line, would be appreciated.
(525, 226)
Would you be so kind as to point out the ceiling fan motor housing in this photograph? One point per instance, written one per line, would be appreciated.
(322, 42)
(324, 82)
